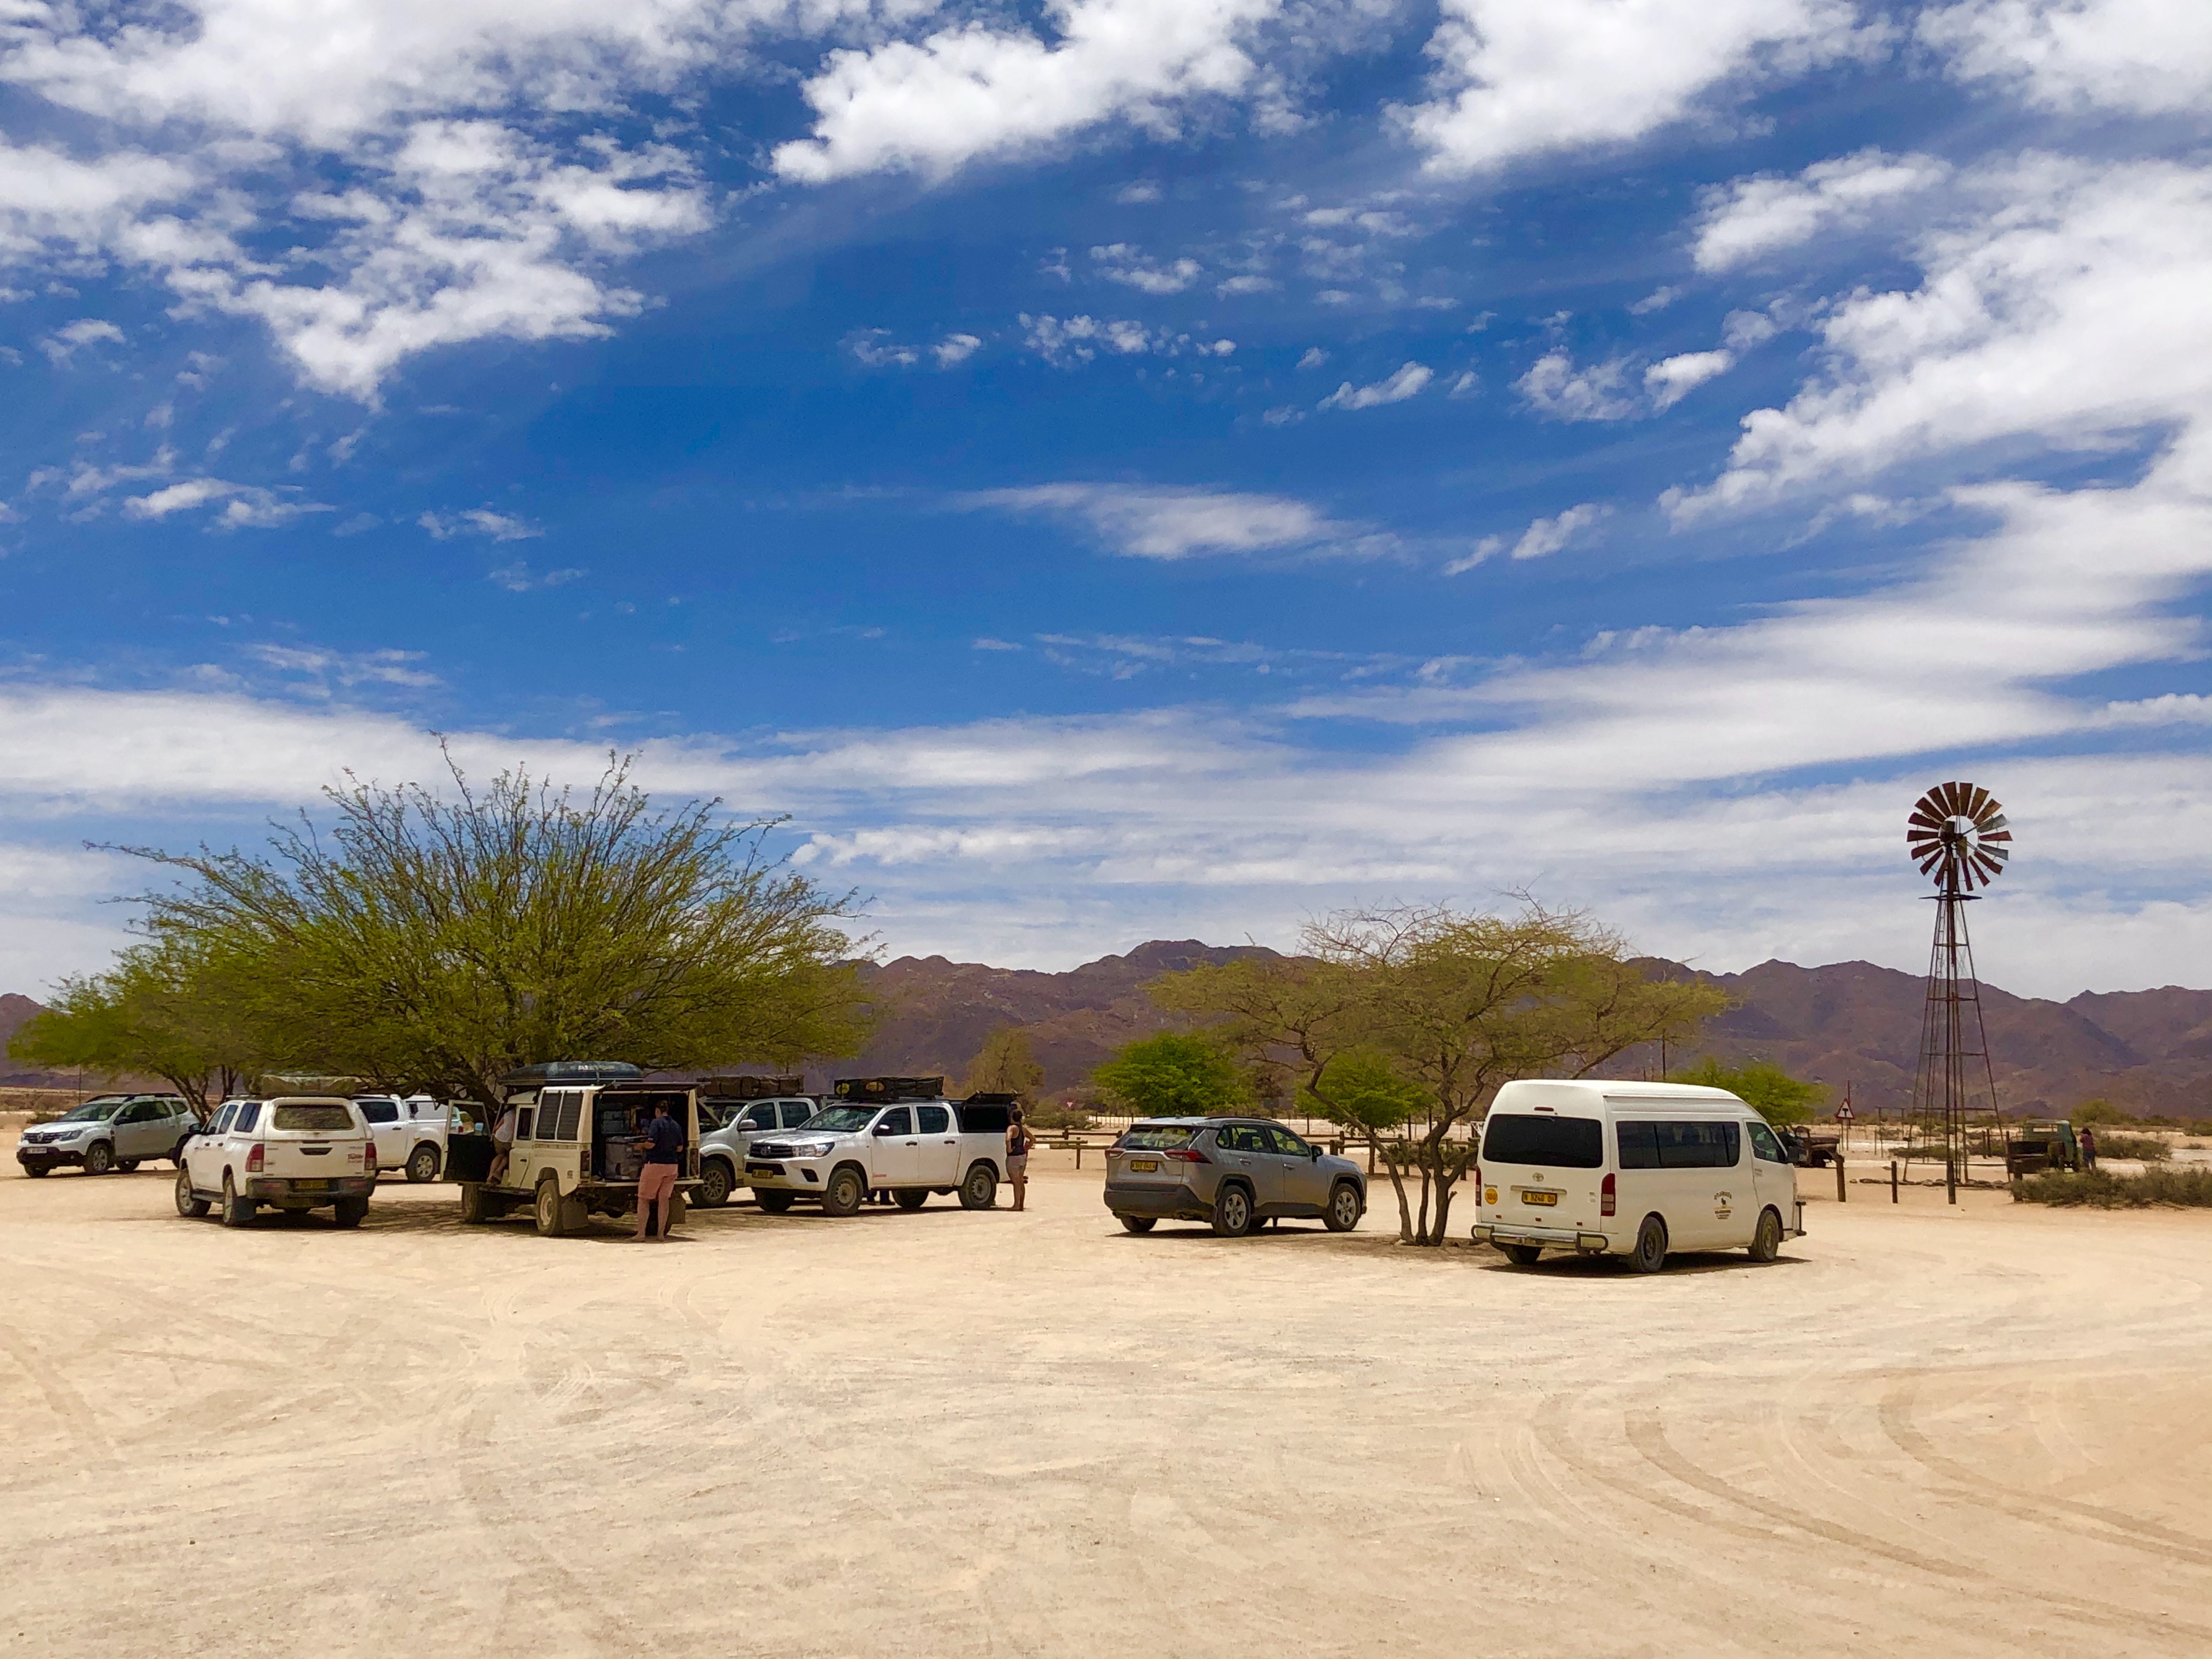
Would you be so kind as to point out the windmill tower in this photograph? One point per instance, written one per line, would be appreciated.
(1958, 837)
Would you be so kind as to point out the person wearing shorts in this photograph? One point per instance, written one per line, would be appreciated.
(663, 1146)
(1018, 1142)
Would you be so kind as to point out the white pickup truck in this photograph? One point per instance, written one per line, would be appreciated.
(909, 1148)
(411, 1133)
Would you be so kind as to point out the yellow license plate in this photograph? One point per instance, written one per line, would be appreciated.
(1540, 1198)
(1145, 1165)
(311, 1185)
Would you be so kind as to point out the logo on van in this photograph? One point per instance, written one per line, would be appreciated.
(1722, 1203)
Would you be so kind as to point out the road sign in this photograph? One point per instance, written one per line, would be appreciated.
(1843, 1113)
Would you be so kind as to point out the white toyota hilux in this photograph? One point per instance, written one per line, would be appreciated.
(411, 1133)
(293, 1152)
(909, 1148)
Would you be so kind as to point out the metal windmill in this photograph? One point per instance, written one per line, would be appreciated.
(1957, 836)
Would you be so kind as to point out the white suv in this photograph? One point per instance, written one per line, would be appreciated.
(294, 1152)
(722, 1151)
(411, 1133)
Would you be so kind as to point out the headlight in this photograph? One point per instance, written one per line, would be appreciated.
(812, 1148)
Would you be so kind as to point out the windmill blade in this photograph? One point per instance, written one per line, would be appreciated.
(1991, 850)
(2000, 837)
(1932, 822)
(1950, 794)
(1995, 822)
(1990, 867)
(1982, 801)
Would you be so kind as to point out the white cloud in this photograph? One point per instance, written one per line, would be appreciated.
(1674, 378)
(1067, 342)
(1120, 262)
(1406, 383)
(2068, 309)
(955, 348)
(1152, 523)
(1556, 388)
(1546, 536)
(2149, 56)
(1517, 78)
(967, 91)
(1749, 218)
(1137, 194)
(1468, 385)
(178, 498)
(1248, 284)
(479, 521)
(517, 578)
(63, 343)
(867, 346)
(1658, 300)
(1314, 358)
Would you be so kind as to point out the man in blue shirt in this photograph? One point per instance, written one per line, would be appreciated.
(662, 1143)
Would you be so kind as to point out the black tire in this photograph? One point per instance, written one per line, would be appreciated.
(1344, 1208)
(546, 1208)
(912, 1198)
(422, 1163)
(189, 1203)
(38, 1171)
(1233, 1211)
(717, 1181)
(99, 1158)
(177, 1154)
(475, 1212)
(1138, 1224)
(979, 1188)
(127, 1165)
(841, 1194)
(350, 1211)
(1650, 1254)
(236, 1211)
(1523, 1255)
(1766, 1242)
(775, 1200)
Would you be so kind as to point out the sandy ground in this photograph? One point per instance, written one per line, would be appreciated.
(997, 1434)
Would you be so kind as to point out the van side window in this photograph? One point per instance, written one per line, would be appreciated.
(1764, 1144)
(1707, 1145)
(1639, 1145)
(935, 1120)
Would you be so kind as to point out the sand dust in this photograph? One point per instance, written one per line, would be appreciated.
(943, 1433)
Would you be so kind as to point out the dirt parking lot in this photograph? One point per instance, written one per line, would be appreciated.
(996, 1434)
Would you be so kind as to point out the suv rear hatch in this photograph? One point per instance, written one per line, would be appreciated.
(1151, 1155)
(313, 1141)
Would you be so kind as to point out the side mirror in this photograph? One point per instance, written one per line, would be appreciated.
(884, 1129)
(1315, 1153)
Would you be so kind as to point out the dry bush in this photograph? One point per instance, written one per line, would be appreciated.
(2103, 1190)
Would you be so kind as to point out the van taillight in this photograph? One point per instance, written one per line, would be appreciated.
(253, 1158)
(1608, 1197)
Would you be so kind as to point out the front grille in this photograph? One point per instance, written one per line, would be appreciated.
(769, 1149)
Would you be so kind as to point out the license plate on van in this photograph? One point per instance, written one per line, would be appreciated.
(1540, 1198)
(1143, 1166)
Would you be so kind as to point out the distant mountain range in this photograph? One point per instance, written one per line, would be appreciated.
(1850, 1023)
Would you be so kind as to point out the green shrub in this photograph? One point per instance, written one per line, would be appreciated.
(2103, 1190)
(1055, 1116)
(2149, 1148)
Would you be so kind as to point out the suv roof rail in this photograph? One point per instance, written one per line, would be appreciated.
(572, 1071)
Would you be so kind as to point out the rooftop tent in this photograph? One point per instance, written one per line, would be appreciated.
(751, 1088)
(874, 1090)
(554, 1074)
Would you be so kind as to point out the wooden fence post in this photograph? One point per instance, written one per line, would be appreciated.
(1841, 1196)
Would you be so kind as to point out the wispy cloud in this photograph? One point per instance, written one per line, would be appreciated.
(1406, 383)
(479, 521)
(1152, 523)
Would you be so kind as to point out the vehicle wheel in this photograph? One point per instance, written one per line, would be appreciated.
(980, 1191)
(236, 1211)
(775, 1200)
(911, 1198)
(1651, 1253)
(38, 1171)
(549, 1220)
(844, 1192)
(1523, 1255)
(422, 1164)
(1138, 1224)
(1343, 1208)
(188, 1202)
(99, 1158)
(1766, 1243)
(1232, 1212)
(127, 1165)
(350, 1211)
(474, 1211)
(716, 1183)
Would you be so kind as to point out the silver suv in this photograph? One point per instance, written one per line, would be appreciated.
(1238, 1173)
(109, 1131)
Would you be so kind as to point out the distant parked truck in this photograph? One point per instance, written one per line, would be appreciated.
(575, 1152)
(2041, 1144)
(899, 1135)
(1812, 1149)
(109, 1132)
(411, 1133)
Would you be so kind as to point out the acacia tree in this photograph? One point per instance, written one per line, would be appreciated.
(1778, 1097)
(1415, 1015)
(1005, 1065)
(1171, 1075)
(420, 943)
(164, 1009)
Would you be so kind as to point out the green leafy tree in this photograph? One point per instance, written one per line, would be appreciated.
(418, 942)
(2097, 1110)
(1431, 1002)
(1005, 1064)
(1175, 1074)
(1761, 1085)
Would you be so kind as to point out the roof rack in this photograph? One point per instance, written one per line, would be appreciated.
(550, 1071)
(992, 1098)
(750, 1087)
(889, 1088)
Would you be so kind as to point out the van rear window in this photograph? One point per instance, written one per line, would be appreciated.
(1164, 1139)
(1563, 1143)
(317, 1119)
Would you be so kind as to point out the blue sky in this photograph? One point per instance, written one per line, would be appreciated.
(1127, 468)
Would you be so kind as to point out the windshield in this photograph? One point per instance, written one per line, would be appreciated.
(1560, 1143)
(316, 1119)
(841, 1120)
(96, 1111)
(1164, 1138)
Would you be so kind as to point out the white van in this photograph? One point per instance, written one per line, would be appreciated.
(1633, 1169)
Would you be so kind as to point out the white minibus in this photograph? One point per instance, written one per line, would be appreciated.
(1631, 1169)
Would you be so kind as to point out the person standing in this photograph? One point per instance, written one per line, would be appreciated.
(662, 1143)
(2088, 1147)
(1018, 1142)
(502, 1144)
